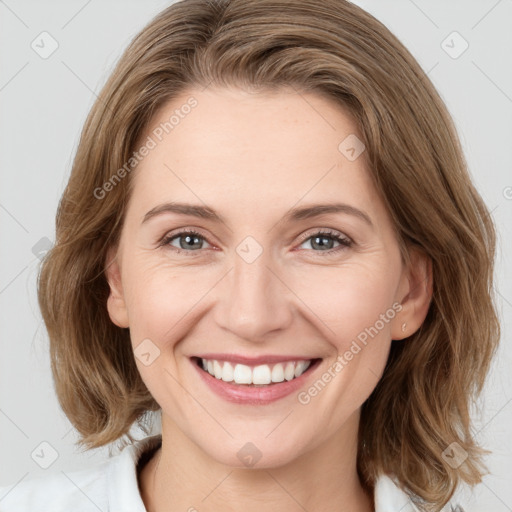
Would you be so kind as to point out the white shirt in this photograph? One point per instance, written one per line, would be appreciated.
(112, 486)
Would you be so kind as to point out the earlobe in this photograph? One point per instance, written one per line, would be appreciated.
(116, 304)
(415, 294)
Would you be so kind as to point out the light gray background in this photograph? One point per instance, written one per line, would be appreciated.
(44, 103)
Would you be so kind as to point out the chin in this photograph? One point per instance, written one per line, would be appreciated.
(256, 451)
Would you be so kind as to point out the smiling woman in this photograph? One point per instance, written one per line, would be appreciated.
(297, 272)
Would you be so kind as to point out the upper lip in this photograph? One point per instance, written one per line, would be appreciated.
(252, 361)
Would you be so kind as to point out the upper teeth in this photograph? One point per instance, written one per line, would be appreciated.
(262, 374)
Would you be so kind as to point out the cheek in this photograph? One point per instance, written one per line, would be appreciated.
(161, 302)
(160, 299)
(343, 302)
(351, 300)
(356, 304)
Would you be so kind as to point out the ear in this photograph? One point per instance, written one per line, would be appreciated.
(415, 294)
(115, 303)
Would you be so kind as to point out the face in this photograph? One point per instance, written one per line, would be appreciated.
(225, 255)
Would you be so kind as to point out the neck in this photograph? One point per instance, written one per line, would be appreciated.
(182, 476)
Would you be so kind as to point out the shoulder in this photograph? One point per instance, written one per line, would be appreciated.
(109, 485)
(389, 497)
(71, 490)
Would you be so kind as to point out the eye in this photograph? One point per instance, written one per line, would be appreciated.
(186, 241)
(190, 241)
(324, 240)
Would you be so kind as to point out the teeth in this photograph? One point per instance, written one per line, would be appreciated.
(228, 373)
(260, 375)
(301, 367)
(217, 370)
(243, 374)
(289, 371)
(277, 373)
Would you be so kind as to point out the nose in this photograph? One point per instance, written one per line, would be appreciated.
(254, 299)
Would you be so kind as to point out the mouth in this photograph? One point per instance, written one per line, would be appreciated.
(255, 375)
(254, 384)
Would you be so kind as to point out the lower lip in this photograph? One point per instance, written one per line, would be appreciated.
(250, 395)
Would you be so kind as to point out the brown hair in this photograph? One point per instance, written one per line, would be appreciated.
(333, 48)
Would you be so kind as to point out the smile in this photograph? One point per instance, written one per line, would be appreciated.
(254, 383)
(260, 375)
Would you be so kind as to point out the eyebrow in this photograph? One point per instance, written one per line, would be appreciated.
(295, 214)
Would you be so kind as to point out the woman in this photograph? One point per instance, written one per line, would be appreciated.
(269, 235)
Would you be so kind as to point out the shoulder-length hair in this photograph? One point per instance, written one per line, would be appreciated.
(333, 48)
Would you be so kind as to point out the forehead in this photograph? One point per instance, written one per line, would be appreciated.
(252, 149)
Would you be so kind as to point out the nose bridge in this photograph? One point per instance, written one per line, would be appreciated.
(254, 299)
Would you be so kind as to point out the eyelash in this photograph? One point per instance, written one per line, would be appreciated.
(343, 240)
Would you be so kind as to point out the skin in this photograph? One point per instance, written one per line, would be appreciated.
(252, 157)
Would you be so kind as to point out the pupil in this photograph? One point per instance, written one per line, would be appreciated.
(323, 239)
(190, 239)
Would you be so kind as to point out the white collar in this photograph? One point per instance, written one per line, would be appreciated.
(124, 495)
